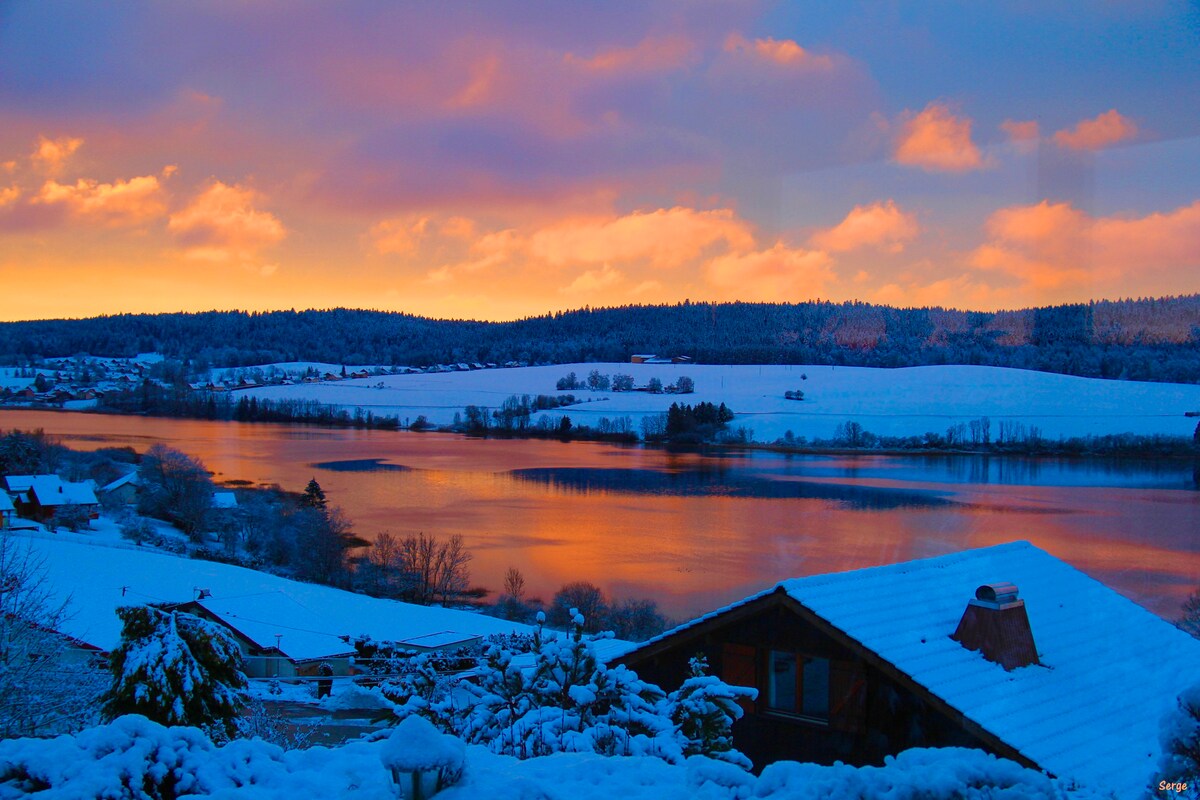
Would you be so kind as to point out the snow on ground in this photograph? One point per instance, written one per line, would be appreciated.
(133, 752)
(890, 402)
(98, 577)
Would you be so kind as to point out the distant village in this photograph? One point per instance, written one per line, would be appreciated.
(81, 380)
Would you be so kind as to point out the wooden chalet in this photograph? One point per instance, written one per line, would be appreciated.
(1005, 648)
(40, 497)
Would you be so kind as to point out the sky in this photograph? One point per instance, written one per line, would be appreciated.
(505, 159)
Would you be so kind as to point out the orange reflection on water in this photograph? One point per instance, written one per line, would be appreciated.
(688, 530)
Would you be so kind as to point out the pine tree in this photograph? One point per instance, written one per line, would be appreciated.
(176, 669)
(704, 709)
(314, 495)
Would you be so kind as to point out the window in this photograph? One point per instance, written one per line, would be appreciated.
(798, 684)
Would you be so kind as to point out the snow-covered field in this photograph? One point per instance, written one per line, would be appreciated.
(890, 402)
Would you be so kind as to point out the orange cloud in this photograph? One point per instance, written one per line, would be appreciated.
(9, 195)
(398, 236)
(221, 224)
(1104, 131)
(880, 225)
(665, 238)
(594, 280)
(50, 155)
(1056, 246)
(130, 202)
(938, 141)
(1021, 131)
(651, 55)
(781, 273)
(781, 52)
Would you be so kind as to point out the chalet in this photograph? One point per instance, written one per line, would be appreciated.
(1004, 648)
(362, 373)
(41, 496)
(123, 490)
(641, 358)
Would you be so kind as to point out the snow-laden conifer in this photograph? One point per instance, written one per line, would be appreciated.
(176, 669)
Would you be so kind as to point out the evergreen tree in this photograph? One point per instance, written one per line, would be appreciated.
(314, 496)
(176, 669)
(704, 709)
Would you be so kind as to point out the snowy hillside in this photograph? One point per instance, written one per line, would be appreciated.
(891, 402)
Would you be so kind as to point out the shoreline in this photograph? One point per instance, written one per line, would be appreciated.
(1048, 449)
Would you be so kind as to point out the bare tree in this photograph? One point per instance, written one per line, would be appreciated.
(177, 488)
(582, 597)
(514, 584)
(433, 571)
(48, 683)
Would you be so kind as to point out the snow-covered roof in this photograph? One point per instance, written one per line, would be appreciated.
(6, 503)
(437, 641)
(311, 618)
(21, 483)
(224, 500)
(50, 490)
(1109, 669)
(127, 478)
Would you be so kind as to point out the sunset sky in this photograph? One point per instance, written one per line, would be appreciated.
(498, 160)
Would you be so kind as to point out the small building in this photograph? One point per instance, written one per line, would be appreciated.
(8, 512)
(123, 490)
(1004, 648)
(641, 358)
(362, 373)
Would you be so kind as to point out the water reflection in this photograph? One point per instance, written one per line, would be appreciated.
(725, 483)
(695, 530)
(360, 465)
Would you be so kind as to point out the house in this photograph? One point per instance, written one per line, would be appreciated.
(284, 627)
(641, 358)
(1004, 648)
(123, 490)
(362, 373)
(40, 497)
(8, 512)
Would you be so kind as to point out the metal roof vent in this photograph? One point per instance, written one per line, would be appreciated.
(996, 624)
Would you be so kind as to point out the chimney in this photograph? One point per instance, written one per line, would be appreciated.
(995, 624)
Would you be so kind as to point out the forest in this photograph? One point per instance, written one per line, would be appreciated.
(1135, 339)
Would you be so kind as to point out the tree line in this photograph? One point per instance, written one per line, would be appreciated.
(1135, 339)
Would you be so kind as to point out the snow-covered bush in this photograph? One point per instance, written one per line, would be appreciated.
(704, 709)
(176, 669)
(561, 698)
(1179, 737)
(135, 759)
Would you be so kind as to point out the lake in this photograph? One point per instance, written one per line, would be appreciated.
(695, 531)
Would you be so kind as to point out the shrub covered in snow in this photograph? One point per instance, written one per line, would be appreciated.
(567, 700)
(1180, 740)
(135, 758)
(176, 669)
